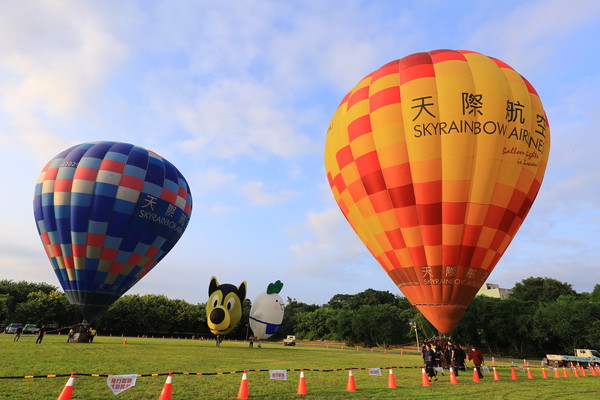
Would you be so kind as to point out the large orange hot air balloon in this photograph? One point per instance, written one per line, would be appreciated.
(435, 160)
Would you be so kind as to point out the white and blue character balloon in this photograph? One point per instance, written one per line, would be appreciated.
(266, 313)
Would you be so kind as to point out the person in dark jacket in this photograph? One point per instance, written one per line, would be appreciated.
(452, 353)
(460, 356)
(429, 359)
(41, 335)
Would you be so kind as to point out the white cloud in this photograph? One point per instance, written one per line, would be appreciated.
(254, 191)
(55, 55)
(236, 117)
(220, 209)
(213, 178)
(331, 243)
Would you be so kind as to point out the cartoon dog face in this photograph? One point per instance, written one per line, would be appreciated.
(224, 306)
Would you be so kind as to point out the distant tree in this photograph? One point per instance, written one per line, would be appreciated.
(500, 326)
(6, 307)
(594, 334)
(339, 325)
(544, 290)
(339, 301)
(595, 295)
(293, 309)
(379, 325)
(567, 323)
(314, 325)
(50, 308)
(370, 297)
(20, 290)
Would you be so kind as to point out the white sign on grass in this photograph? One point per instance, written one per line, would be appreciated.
(278, 374)
(120, 383)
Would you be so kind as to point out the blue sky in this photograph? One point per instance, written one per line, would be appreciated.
(238, 95)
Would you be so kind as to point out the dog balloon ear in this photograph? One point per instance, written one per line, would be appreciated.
(242, 291)
(214, 284)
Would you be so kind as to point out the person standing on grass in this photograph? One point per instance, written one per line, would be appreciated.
(18, 334)
(460, 356)
(41, 334)
(452, 357)
(477, 358)
(429, 359)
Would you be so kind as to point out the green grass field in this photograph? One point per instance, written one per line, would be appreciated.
(108, 355)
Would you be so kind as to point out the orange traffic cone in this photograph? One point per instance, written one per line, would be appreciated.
(475, 375)
(513, 373)
(593, 371)
(565, 373)
(496, 376)
(453, 376)
(544, 373)
(529, 374)
(424, 378)
(556, 373)
(575, 372)
(350, 387)
(167, 391)
(243, 391)
(391, 380)
(583, 373)
(125, 341)
(302, 384)
(67, 391)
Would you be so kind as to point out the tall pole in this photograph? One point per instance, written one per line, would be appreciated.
(417, 336)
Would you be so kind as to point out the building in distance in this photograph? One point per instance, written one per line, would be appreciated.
(494, 290)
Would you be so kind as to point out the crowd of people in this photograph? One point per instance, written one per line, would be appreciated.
(442, 354)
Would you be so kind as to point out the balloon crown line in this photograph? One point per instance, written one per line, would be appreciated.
(274, 287)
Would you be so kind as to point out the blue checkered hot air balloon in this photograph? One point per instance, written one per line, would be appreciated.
(107, 213)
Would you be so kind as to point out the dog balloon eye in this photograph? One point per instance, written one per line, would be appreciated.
(215, 300)
(230, 303)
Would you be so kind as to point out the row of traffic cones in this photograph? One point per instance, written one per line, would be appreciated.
(350, 386)
(595, 371)
(166, 394)
(167, 391)
(243, 390)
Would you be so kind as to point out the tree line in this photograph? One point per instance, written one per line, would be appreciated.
(541, 315)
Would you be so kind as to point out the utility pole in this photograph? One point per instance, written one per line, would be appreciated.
(413, 324)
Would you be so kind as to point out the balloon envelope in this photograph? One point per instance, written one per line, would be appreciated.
(224, 307)
(435, 160)
(266, 313)
(107, 213)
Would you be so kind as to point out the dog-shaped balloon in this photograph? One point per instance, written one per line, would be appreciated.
(224, 306)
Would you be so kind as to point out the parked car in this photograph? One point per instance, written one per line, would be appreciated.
(12, 328)
(290, 340)
(30, 328)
